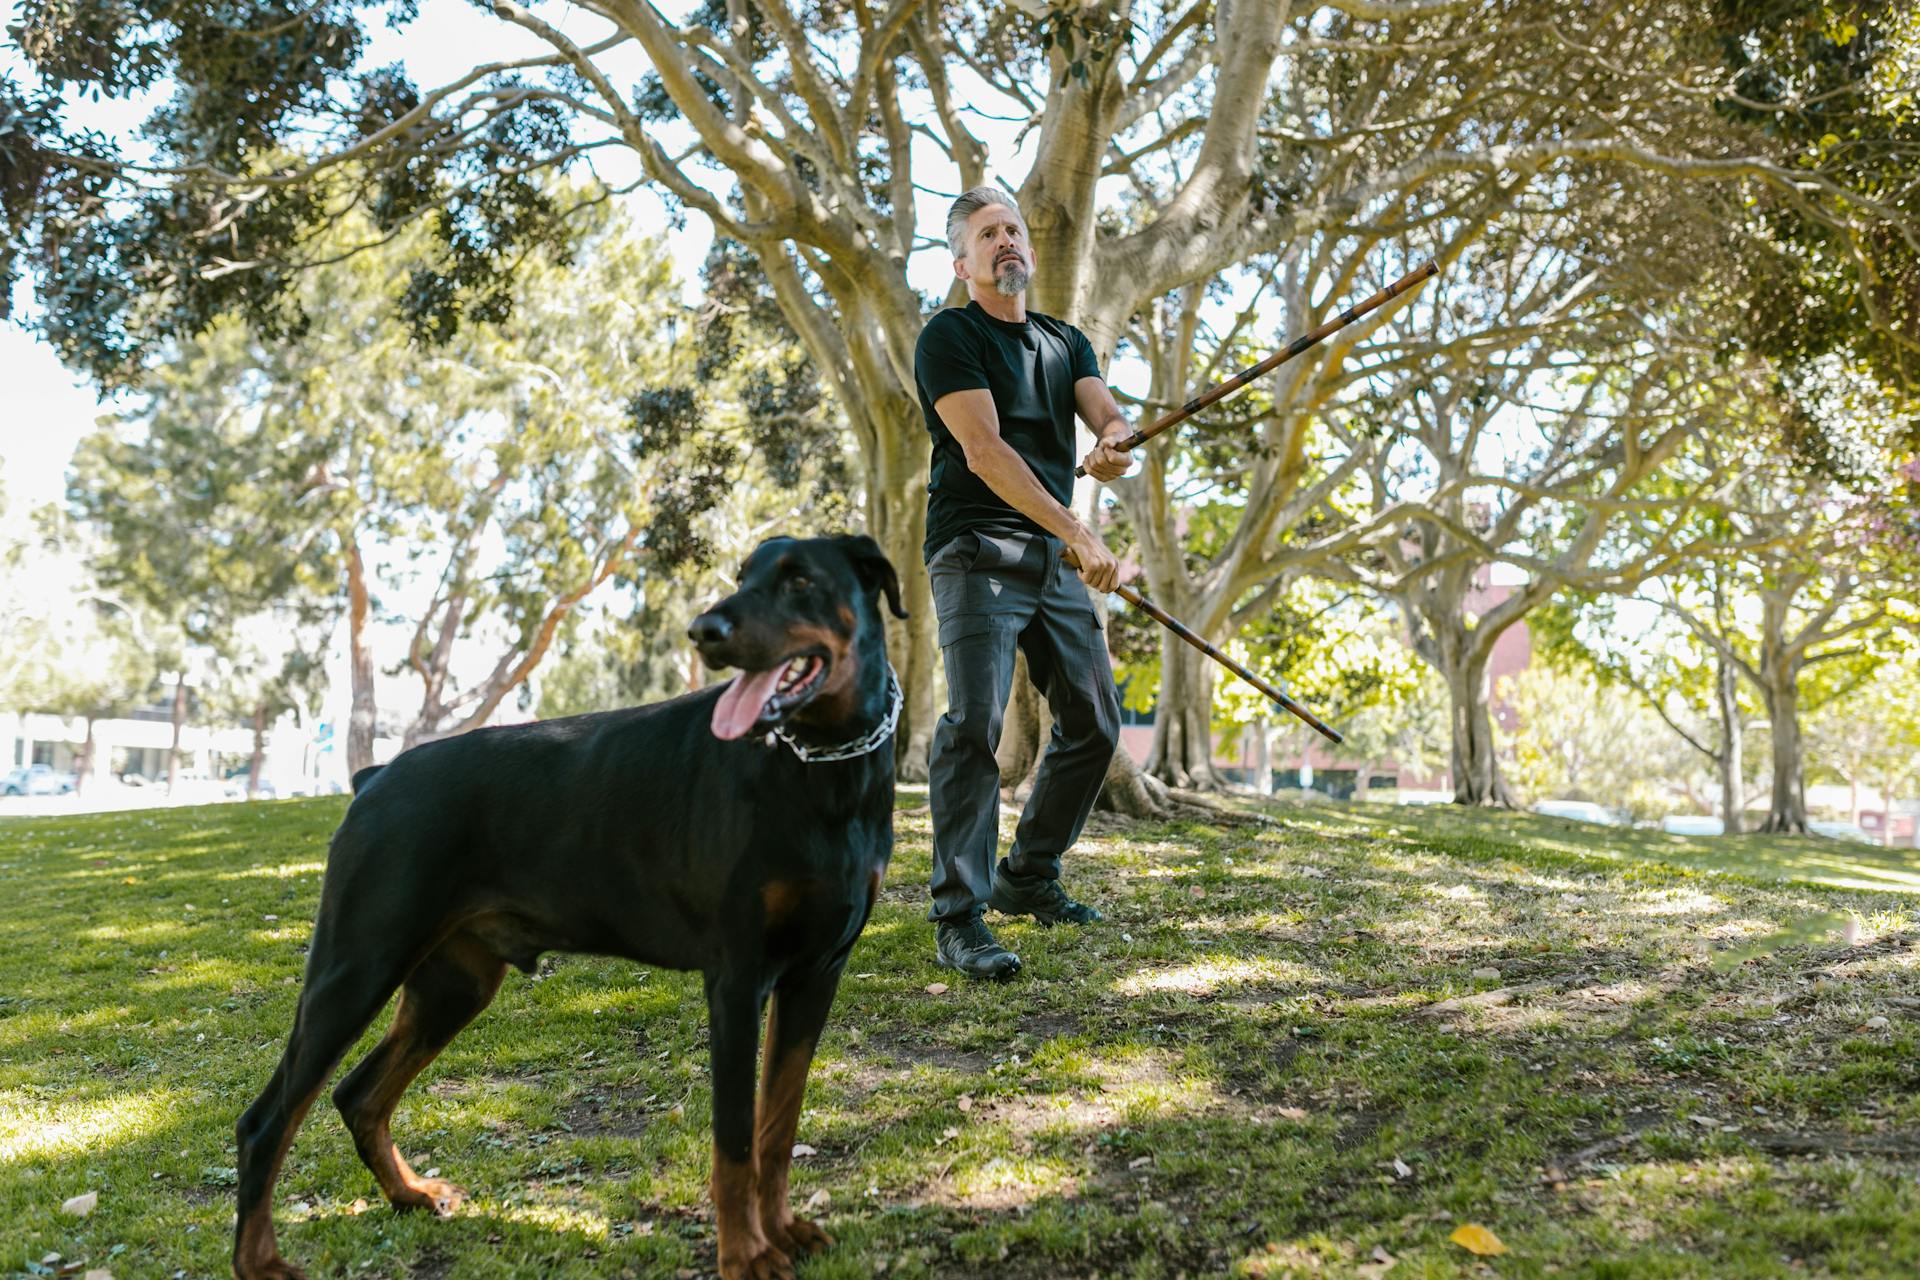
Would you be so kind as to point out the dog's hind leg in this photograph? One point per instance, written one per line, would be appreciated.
(444, 993)
(343, 993)
(798, 1012)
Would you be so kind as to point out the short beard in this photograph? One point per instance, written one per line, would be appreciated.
(1010, 279)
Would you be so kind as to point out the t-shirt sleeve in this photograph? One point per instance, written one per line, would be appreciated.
(1084, 365)
(949, 357)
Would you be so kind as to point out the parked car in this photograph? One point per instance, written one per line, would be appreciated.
(36, 780)
(1841, 831)
(237, 786)
(1578, 810)
(1692, 824)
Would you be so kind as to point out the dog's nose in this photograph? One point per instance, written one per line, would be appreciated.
(710, 628)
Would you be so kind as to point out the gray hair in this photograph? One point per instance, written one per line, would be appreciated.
(970, 203)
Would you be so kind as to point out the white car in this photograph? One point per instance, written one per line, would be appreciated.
(1578, 810)
(36, 780)
(1692, 824)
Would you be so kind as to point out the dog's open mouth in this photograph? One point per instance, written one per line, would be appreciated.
(759, 700)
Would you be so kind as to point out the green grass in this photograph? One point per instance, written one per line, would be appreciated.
(1672, 1075)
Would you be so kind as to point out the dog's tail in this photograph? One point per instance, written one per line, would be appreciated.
(365, 775)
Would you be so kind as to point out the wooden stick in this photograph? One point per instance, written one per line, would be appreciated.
(1199, 642)
(1412, 280)
(1186, 633)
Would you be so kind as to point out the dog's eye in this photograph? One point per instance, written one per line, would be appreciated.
(798, 584)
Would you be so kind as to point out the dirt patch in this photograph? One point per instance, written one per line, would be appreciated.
(609, 1113)
(1892, 1146)
(1051, 1026)
(923, 1053)
(432, 1264)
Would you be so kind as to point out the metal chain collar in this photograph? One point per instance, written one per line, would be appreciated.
(870, 741)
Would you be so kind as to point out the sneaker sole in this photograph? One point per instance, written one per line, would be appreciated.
(945, 963)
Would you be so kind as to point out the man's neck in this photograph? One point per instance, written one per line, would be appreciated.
(998, 305)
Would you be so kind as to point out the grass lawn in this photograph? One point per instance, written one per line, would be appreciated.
(1286, 1052)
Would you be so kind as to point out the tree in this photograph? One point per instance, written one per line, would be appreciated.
(760, 398)
(511, 470)
(1574, 737)
(793, 129)
(1871, 735)
(1815, 570)
(1695, 690)
(1322, 645)
(264, 666)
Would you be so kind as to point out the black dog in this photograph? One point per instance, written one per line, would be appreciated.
(681, 834)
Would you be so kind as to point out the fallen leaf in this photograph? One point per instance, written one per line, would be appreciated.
(1139, 1162)
(1877, 1022)
(965, 1103)
(801, 1151)
(1381, 1255)
(1490, 973)
(817, 1201)
(357, 1208)
(936, 988)
(1292, 1113)
(1475, 1238)
(1197, 891)
(1400, 1168)
(80, 1206)
(98, 1273)
(1850, 931)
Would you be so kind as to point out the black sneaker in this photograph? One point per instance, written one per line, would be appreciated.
(1039, 897)
(969, 946)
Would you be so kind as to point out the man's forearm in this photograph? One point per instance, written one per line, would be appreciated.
(1009, 476)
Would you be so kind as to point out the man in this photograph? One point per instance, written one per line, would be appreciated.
(999, 386)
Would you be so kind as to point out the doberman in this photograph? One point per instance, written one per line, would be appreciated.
(742, 831)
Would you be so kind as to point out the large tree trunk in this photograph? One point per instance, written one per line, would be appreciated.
(897, 519)
(259, 750)
(360, 720)
(1731, 759)
(179, 722)
(1476, 767)
(1787, 810)
(1182, 754)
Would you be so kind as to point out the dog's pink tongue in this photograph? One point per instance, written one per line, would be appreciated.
(739, 706)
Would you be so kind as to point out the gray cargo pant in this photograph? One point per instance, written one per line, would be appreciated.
(993, 591)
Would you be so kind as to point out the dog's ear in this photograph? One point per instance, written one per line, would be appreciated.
(875, 570)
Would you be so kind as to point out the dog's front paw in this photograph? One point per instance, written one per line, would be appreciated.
(432, 1194)
(273, 1268)
(800, 1237)
(764, 1261)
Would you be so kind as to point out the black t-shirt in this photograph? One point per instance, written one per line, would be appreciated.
(1030, 368)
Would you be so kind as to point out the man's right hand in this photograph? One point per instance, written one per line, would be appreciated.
(1098, 568)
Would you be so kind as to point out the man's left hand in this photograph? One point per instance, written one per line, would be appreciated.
(1104, 462)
